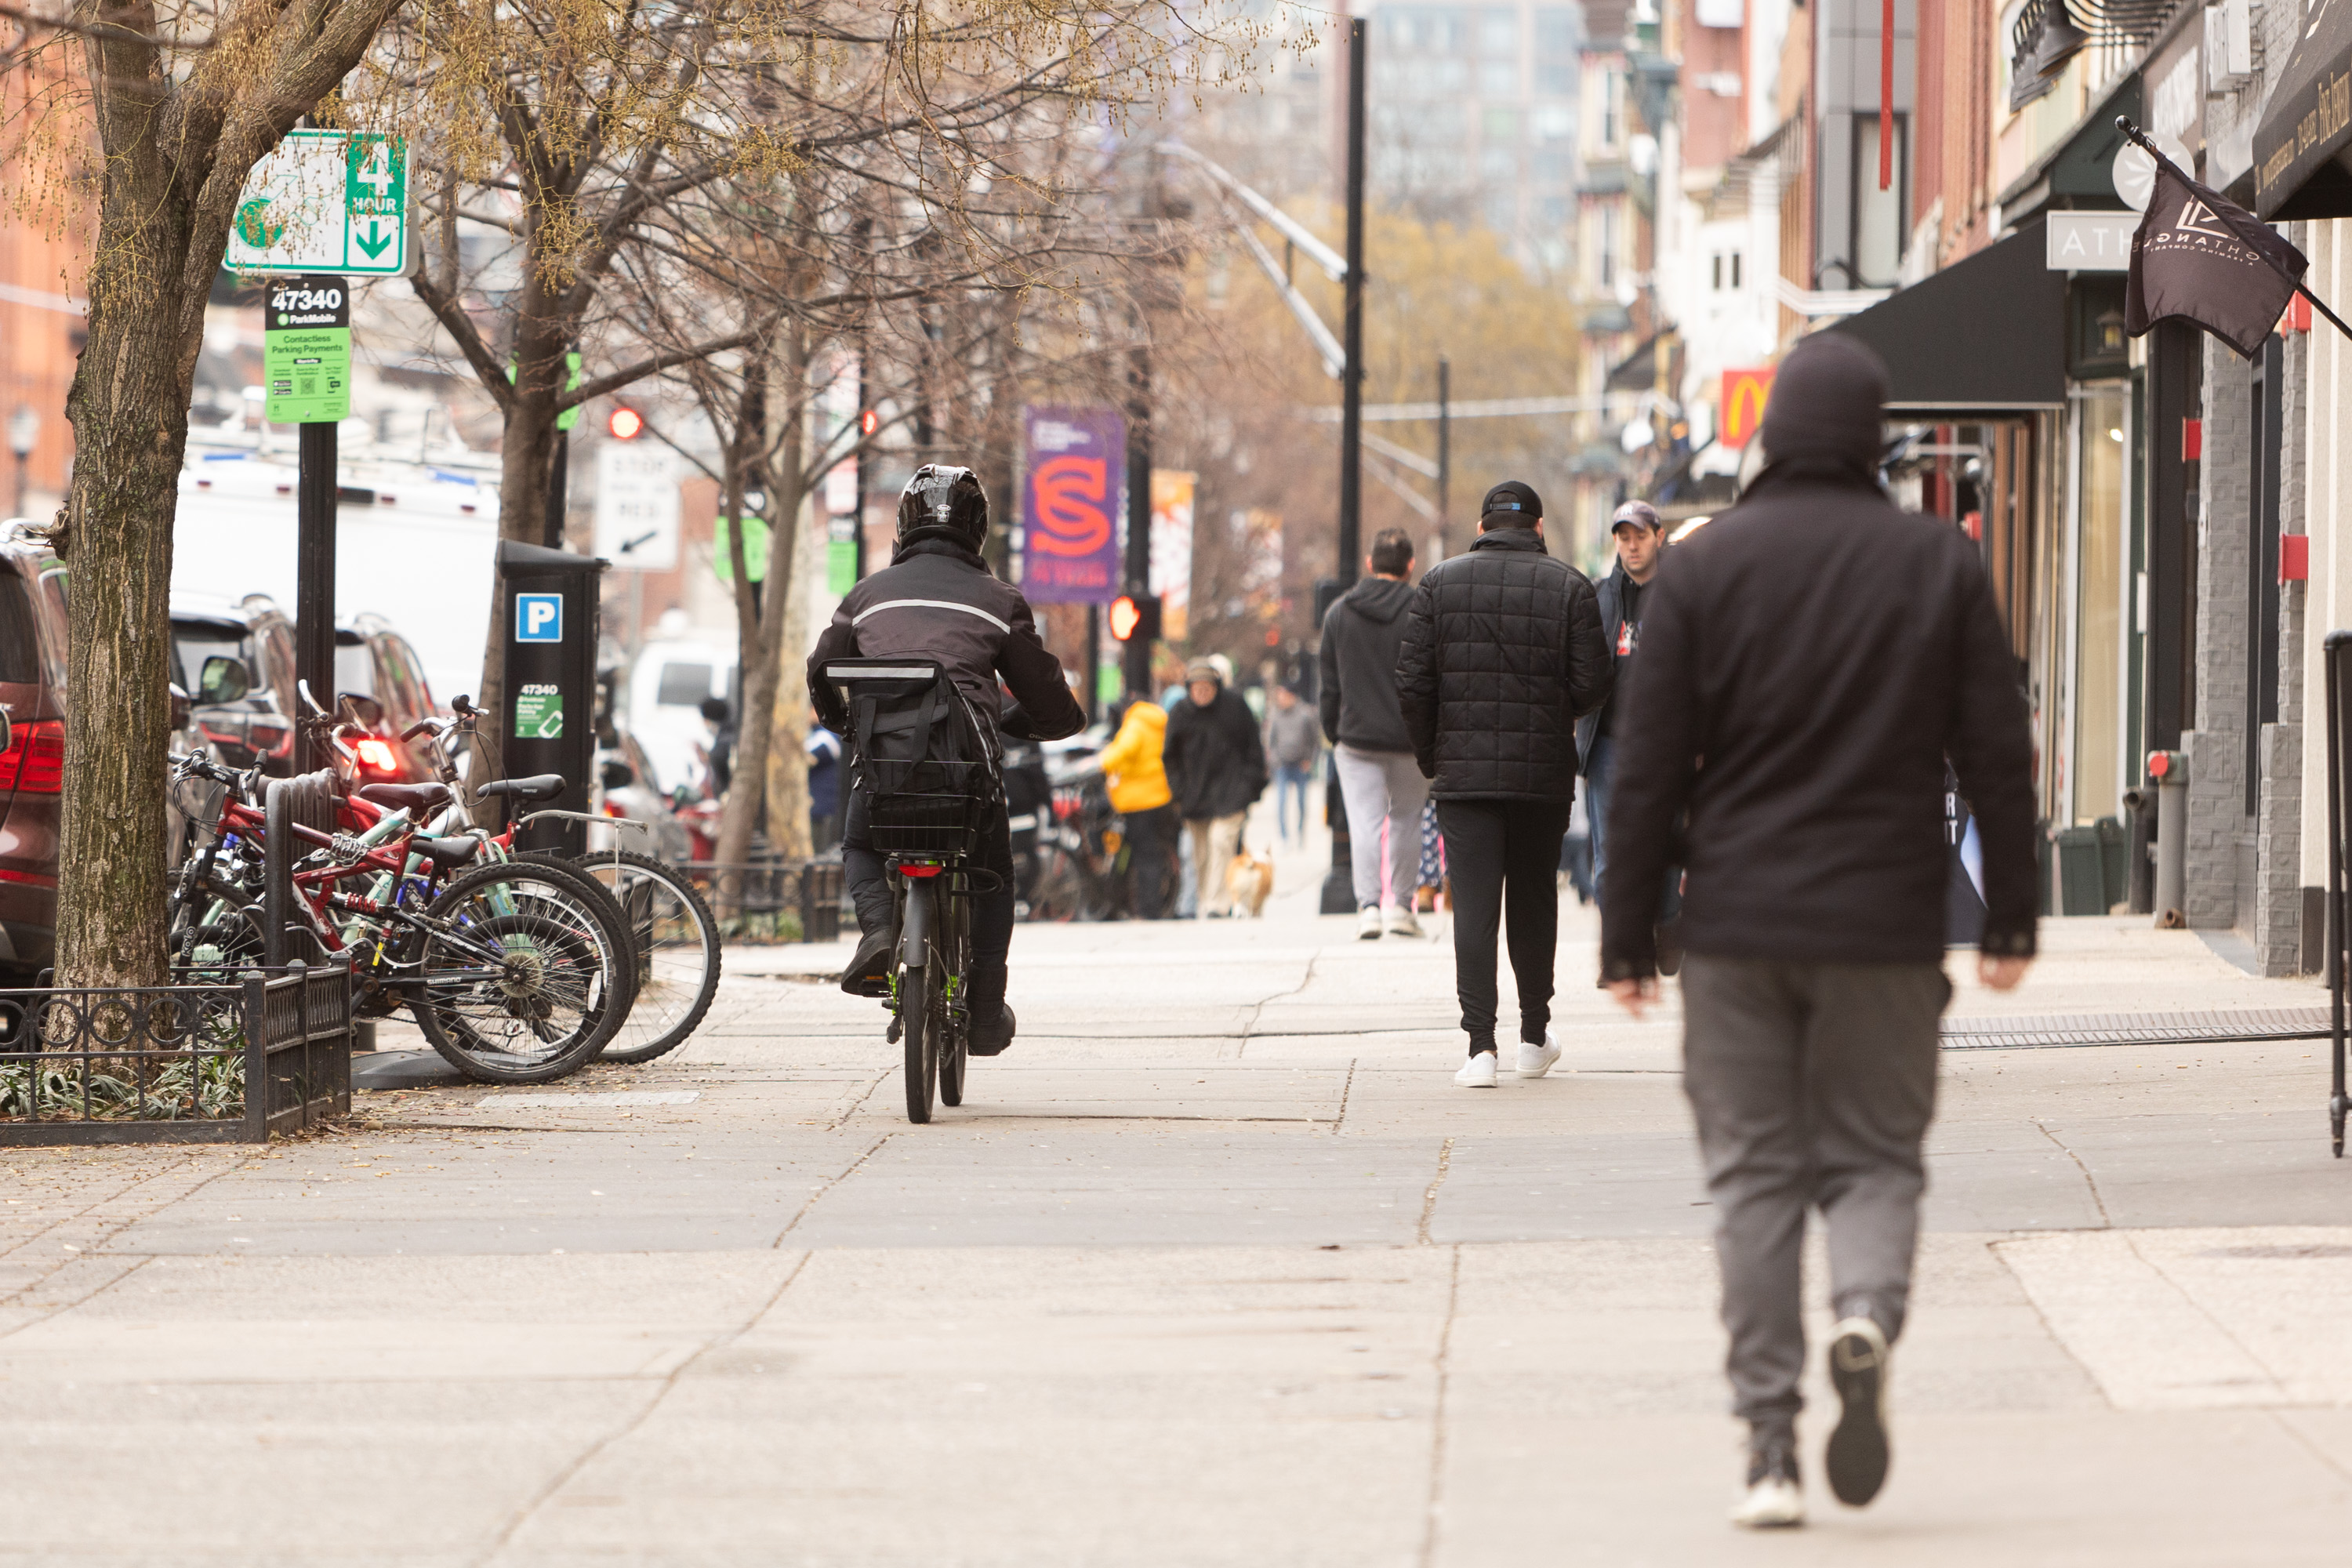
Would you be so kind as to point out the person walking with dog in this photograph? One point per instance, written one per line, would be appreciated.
(1809, 663)
(1216, 771)
(1502, 654)
(1370, 751)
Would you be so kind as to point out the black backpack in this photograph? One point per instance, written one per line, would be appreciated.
(926, 764)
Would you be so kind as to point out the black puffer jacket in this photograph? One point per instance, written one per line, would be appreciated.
(1503, 654)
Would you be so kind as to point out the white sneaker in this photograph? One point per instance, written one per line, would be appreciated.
(1774, 1503)
(1478, 1072)
(1535, 1060)
(1368, 924)
(1397, 920)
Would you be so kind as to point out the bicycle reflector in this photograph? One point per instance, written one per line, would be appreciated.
(1135, 617)
(625, 424)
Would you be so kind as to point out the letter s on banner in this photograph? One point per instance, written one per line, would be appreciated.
(1071, 519)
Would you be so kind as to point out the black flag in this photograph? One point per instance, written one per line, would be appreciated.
(2202, 257)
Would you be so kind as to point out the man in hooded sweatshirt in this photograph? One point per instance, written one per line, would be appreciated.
(1809, 662)
(1379, 780)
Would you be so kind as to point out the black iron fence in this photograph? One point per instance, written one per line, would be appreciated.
(201, 1063)
(775, 901)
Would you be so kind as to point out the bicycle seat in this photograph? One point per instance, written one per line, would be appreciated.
(447, 854)
(416, 799)
(530, 791)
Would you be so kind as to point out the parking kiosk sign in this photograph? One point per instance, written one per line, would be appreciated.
(539, 617)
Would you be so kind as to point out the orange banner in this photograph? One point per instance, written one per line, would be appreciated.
(1745, 393)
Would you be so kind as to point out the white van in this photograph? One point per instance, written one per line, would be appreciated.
(668, 685)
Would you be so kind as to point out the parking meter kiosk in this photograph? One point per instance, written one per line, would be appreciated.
(549, 598)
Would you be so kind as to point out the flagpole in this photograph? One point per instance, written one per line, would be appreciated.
(2139, 139)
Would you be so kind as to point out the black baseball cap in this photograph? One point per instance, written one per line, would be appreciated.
(1510, 497)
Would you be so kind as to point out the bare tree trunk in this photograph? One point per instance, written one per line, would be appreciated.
(761, 636)
(788, 797)
(526, 457)
(129, 408)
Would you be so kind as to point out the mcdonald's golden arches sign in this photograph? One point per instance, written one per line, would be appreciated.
(1744, 394)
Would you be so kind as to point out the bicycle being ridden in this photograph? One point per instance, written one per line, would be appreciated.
(939, 601)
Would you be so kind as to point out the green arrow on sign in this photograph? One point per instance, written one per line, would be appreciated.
(373, 246)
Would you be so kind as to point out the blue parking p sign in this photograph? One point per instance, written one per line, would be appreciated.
(539, 617)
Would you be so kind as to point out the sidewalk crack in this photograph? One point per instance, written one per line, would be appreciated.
(852, 1168)
(2088, 1180)
(1259, 1007)
(661, 1392)
(1429, 1198)
(1346, 1089)
(1437, 1419)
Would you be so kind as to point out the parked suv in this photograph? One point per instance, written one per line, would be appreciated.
(374, 661)
(32, 762)
(256, 728)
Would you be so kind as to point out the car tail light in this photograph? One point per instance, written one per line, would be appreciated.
(269, 738)
(35, 758)
(377, 757)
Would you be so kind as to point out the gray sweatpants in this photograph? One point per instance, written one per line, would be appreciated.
(1813, 1085)
(1377, 787)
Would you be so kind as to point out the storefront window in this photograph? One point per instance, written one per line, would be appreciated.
(2098, 606)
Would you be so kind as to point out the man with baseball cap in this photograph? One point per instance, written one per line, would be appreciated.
(1502, 654)
(1640, 535)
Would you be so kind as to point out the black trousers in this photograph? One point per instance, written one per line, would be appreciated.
(1503, 855)
(992, 912)
(1154, 858)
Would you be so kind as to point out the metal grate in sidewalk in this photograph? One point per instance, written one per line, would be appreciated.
(2135, 1028)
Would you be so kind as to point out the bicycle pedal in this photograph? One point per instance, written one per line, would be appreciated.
(898, 1028)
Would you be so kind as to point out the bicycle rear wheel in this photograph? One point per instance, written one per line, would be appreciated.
(675, 940)
(955, 1021)
(522, 976)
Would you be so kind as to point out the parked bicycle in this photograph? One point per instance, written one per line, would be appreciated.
(517, 967)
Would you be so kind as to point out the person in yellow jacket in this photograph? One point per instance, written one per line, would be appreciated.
(1139, 792)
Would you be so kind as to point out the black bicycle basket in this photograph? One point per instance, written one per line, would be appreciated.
(918, 754)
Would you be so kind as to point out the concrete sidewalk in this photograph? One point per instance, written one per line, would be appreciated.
(1215, 1266)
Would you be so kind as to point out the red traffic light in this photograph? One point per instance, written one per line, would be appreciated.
(869, 422)
(625, 424)
(1135, 617)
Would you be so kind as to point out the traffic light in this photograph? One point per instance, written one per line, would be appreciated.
(1135, 617)
(868, 422)
(625, 424)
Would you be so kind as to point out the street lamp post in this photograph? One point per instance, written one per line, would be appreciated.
(24, 432)
(1339, 884)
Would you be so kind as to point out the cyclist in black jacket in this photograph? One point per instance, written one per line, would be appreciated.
(938, 600)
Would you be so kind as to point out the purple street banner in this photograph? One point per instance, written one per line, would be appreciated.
(1069, 539)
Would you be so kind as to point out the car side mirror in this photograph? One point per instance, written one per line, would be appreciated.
(618, 775)
(224, 680)
(367, 711)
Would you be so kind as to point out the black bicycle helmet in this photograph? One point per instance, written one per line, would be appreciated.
(943, 502)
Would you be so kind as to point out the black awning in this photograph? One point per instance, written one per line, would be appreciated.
(1638, 371)
(1987, 333)
(2301, 167)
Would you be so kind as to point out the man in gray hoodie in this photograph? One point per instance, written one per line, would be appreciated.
(1371, 750)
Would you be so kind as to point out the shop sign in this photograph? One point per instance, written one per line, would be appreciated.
(1745, 393)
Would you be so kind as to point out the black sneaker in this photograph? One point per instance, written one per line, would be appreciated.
(990, 1039)
(1775, 1496)
(1857, 1455)
(869, 973)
